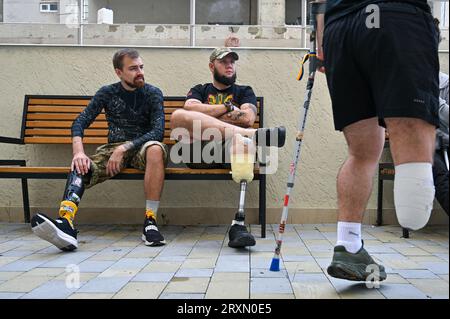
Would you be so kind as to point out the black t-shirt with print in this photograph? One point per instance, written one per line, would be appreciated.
(208, 94)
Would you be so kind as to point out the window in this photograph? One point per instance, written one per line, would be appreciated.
(49, 6)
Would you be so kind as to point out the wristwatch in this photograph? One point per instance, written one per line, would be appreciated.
(229, 106)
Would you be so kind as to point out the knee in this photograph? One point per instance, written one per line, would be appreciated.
(154, 154)
(366, 156)
(179, 118)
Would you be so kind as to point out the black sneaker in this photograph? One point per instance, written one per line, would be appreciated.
(271, 136)
(56, 231)
(240, 237)
(355, 267)
(151, 235)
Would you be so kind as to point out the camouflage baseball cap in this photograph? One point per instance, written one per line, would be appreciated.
(220, 53)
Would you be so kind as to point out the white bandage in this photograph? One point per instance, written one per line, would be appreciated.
(413, 194)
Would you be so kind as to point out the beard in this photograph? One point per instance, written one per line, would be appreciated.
(137, 83)
(223, 79)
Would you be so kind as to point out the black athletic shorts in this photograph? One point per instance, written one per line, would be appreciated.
(218, 150)
(390, 71)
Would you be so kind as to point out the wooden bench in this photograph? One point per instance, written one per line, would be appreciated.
(48, 120)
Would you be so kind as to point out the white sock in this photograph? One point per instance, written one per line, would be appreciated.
(152, 205)
(349, 236)
(413, 194)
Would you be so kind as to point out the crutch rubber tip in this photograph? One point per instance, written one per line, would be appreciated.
(275, 265)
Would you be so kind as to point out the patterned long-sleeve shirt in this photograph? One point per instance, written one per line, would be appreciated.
(136, 116)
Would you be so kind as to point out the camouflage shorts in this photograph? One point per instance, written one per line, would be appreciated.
(132, 158)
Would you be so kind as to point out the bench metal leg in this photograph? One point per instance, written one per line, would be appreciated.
(380, 202)
(25, 196)
(26, 201)
(262, 204)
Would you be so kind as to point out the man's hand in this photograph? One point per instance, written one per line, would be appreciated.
(115, 161)
(81, 163)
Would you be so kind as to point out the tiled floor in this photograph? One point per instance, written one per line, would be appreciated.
(112, 262)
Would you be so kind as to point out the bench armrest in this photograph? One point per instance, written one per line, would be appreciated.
(11, 140)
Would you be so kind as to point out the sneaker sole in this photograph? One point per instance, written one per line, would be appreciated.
(242, 242)
(349, 272)
(46, 230)
(153, 243)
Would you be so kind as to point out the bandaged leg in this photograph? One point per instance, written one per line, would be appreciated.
(413, 194)
(242, 159)
(72, 195)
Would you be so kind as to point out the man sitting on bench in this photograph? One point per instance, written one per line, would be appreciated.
(224, 113)
(135, 116)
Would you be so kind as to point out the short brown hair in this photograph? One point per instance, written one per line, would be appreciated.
(119, 55)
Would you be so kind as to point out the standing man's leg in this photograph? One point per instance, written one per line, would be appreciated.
(365, 140)
(412, 146)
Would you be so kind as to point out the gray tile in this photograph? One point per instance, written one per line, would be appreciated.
(194, 273)
(181, 296)
(22, 265)
(266, 273)
(105, 284)
(55, 289)
(310, 278)
(311, 234)
(170, 258)
(17, 253)
(154, 276)
(417, 274)
(379, 249)
(270, 286)
(95, 265)
(442, 256)
(438, 268)
(401, 291)
(233, 264)
(69, 258)
(10, 295)
(288, 258)
(323, 262)
(131, 263)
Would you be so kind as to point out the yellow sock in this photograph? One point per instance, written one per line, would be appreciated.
(68, 210)
(150, 214)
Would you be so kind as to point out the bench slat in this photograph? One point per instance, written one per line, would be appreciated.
(68, 140)
(56, 116)
(47, 101)
(62, 124)
(68, 132)
(73, 116)
(64, 132)
(54, 108)
(170, 170)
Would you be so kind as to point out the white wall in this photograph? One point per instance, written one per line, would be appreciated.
(27, 11)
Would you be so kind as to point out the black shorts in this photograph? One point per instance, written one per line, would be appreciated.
(217, 150)
(390, 71)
